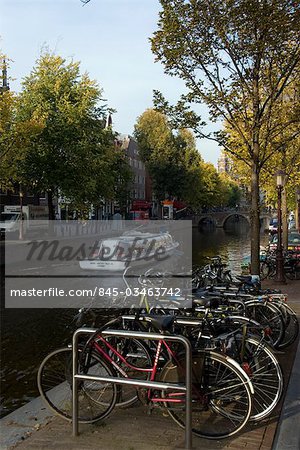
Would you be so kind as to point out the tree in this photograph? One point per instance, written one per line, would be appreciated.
(13, 135)
(72, 154)
(171, 157)
(239, 64)
(230, 191)
(287, 159)
(168, 156)
(176, 166)
(7, 131)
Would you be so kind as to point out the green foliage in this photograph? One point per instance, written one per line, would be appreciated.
(67, 147)
(230, 191)
(175, 165)
(238, 57)
(7, 134)
(168, 156)
(287, 159)
(230, 58)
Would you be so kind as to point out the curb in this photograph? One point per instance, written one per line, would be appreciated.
(18, 425)
(287, 435)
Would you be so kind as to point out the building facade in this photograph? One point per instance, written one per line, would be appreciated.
(138, 186)
(224, 164)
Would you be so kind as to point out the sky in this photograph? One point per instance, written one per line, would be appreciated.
(111, 40)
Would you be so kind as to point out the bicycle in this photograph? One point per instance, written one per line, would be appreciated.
(291, 265)
(222, 391)
(232, 336)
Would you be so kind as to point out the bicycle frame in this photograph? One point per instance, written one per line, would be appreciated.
(152, 370)
(187, 389)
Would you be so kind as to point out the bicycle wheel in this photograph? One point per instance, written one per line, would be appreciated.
(234, 322)
(268, 315)
(291, 328)
(292, 273)
(221, 397)
(54, 379)
(264, 371)
(136, 360)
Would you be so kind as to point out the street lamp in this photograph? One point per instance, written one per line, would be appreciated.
(21, 230)
(280, 181)
(298, 208)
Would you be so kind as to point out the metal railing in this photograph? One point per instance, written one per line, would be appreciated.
(131, 381)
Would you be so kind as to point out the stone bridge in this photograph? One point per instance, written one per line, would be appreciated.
(219, 219)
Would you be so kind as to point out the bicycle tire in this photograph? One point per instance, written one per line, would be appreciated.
(137, 355)
(267, 314)
(54, 381)
(263, 369)
(259, 362)
(291, 329)
(222, 395)
(290, 273)
(254, 328)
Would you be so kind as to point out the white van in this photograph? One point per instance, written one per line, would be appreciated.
(34, 218)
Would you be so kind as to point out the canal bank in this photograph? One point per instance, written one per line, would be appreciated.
(33, 428)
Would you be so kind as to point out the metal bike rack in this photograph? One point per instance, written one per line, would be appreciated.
(131, 381)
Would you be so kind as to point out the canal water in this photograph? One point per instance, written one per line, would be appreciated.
(30, 334)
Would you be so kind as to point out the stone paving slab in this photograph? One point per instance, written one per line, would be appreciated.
(134, 429)
(21, 423)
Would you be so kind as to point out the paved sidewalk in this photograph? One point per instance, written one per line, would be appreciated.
(134, 429)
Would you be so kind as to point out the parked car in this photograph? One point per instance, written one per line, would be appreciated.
(293, 241)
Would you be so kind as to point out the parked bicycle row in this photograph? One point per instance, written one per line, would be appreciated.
(291, 264)
(291, 258)
(235, 329)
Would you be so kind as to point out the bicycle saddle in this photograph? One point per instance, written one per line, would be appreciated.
(201, 292)
(160, 323)
(212, 302)
(245, 278)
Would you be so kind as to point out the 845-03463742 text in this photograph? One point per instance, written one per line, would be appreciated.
(96, 291)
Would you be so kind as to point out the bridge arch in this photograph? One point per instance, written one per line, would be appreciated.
(207, 219)
(219, 218)
(237, 215)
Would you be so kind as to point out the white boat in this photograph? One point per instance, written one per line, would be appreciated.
(132, 248)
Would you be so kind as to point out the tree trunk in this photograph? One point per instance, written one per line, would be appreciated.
(255, 171)
(255, 224)
(50, 205)
(284, 221)
(297, 215)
